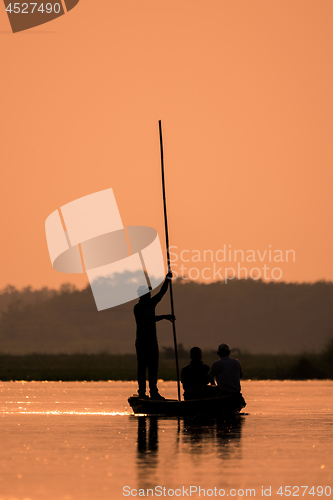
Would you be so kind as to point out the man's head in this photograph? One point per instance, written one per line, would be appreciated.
(223, 350)
(195, 353)
(144, 292)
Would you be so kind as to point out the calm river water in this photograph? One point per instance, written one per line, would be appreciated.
(79, 441)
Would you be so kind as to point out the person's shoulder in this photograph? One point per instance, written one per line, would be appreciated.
(236, 361)
(187, 367)
(215, 367)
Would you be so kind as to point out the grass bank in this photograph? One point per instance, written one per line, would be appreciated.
(104, 366)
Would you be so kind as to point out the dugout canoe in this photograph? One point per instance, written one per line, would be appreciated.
(223, 405)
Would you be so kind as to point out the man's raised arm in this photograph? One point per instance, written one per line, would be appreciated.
(164, 288)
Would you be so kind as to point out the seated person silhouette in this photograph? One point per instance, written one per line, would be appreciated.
(194, 377)
(227, 371)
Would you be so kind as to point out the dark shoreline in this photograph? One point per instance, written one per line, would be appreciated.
(104, 366)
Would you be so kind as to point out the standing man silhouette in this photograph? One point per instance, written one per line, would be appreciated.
(146, 339)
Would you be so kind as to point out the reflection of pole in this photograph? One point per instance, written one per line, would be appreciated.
(168, 258)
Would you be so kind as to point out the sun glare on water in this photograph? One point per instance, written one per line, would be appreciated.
(57, 412)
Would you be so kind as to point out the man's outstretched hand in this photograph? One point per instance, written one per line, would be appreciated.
(170, 317)
(169, 275)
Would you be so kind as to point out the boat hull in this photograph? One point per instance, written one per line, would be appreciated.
(224, 405)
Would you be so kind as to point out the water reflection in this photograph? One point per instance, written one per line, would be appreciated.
(193, 436)
(221, 436)
(88, 452)
(147, 446)
(150, 444)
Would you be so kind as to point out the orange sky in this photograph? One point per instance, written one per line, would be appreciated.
(244, 92)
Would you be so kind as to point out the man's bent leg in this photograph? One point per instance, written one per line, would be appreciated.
(142, 360)
(153, 369)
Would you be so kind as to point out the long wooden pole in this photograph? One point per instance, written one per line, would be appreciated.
(168, 258)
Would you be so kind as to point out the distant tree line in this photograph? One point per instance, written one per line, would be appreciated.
(252, 316)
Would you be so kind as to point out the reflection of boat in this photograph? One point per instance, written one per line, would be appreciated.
(223, 405)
